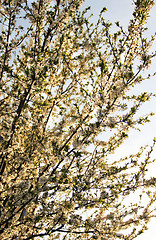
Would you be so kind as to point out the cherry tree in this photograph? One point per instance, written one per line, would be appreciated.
(65, 107)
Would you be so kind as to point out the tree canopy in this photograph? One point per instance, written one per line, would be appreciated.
(65, 107)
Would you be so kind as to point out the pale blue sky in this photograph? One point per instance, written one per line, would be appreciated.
(121, 10)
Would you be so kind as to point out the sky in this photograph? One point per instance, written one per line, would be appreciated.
(121, 10)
